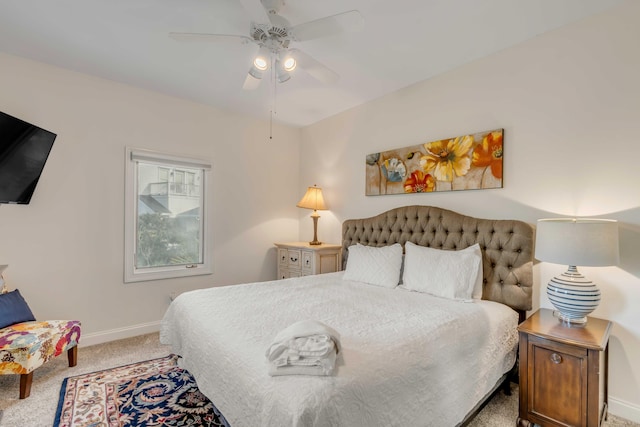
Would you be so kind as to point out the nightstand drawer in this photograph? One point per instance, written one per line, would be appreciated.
(294, 258)
(283, 257)
(303, 259)
(556, 375)
(307, 262)
(556, 346)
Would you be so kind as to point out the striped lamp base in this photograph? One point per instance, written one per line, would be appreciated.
(573, 296)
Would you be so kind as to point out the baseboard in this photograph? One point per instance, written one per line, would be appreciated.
(118, 334)
(623, 409)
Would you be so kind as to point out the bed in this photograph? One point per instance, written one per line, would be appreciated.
(408, 358)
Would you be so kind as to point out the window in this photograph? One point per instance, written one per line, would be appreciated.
(163, 174)
(166, 206)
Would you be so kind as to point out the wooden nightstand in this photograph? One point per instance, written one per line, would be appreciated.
(563, 371)
(302, 259)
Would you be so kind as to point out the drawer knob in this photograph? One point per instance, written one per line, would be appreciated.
(556, 358)
(294, 259)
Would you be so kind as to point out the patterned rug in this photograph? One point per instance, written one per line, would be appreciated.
(151, 393)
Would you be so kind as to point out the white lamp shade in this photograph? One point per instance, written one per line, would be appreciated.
(577, 242)
(313, 199)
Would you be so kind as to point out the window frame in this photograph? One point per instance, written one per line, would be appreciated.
(134, 274)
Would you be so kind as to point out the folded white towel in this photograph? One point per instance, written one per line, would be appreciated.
(320, 366)
(315, 345)
(309, 345)
(319, 339)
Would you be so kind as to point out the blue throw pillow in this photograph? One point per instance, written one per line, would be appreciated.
(14, 309)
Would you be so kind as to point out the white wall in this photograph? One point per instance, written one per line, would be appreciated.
(65, 249)
(569, 102)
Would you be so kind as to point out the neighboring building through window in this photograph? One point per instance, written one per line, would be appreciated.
(166, 234)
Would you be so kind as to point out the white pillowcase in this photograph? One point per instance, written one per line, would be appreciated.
(447, 274)
(477, 287)
(375, 266)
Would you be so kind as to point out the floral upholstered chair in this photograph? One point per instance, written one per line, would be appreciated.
(26, 344)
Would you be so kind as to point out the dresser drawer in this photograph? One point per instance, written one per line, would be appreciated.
(283, 257)
(294, 258)
(307, 262)
(289, 262)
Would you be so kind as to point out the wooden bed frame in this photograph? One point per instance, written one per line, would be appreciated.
(507, 254)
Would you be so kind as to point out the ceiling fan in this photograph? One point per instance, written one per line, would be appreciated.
(273, 35)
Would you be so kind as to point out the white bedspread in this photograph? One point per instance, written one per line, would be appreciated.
(407, 359)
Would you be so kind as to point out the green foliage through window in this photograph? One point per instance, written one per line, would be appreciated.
(164, 240)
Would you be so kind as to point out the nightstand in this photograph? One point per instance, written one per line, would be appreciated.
(302, 259)
(563, 371)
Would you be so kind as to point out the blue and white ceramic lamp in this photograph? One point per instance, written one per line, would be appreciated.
(576, 242)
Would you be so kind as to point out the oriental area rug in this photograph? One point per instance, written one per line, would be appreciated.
(150, 393)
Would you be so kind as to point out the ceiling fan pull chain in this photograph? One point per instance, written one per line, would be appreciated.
(273, 91)
(271, 125)
(273, 83)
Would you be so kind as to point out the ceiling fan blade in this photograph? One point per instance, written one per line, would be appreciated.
(204, 37)
(330, 25)
(251, 83)
(256, 11)
(315, 68)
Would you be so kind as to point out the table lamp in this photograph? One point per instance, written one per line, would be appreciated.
(313, 199)
(576, 242)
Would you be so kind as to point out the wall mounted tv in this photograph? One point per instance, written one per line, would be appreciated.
(24, 149)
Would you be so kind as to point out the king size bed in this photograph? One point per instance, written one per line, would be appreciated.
(414, 353)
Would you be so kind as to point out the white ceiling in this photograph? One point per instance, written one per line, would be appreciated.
(402, 42)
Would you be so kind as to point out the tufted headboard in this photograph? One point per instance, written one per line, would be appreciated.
(507, 245)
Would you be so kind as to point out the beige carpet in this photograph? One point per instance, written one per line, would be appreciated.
(39, 409)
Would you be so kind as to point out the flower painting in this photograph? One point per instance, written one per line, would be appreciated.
(468, 162)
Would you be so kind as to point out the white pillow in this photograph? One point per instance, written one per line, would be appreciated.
(477, 287)
(375, 266)
(447, 274)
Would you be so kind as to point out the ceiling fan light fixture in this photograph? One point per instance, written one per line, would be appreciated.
(283, 77)
(255, 72)
(289, 63)
(261, 61)
(281, 73)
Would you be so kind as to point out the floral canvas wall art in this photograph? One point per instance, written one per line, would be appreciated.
(467, 162)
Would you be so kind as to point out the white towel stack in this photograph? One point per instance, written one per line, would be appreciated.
(307, 347)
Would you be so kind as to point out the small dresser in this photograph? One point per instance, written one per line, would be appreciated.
(563, 371)
(302, 259)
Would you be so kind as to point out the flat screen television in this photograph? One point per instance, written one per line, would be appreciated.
(24, 149)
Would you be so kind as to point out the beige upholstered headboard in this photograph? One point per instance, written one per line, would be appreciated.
(507, 245)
